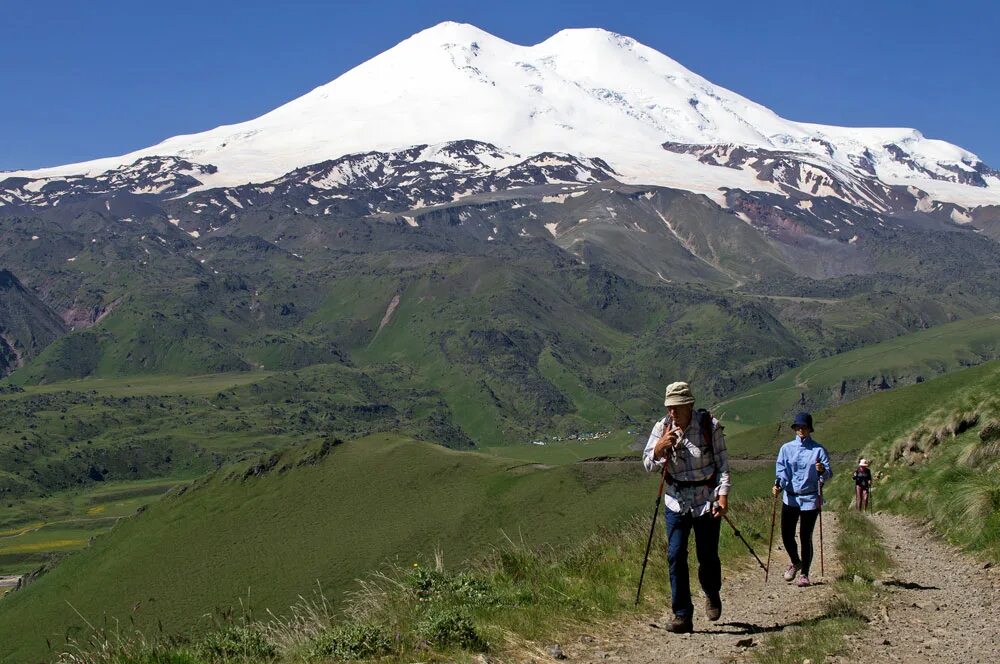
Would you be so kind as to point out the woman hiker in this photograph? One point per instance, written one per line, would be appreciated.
(802, 464)
(689, 446)
(862, 485)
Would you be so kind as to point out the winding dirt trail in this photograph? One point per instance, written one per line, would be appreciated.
(750, 610)
(937, 605)
(940, 605)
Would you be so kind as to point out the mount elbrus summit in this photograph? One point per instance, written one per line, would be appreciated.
(502, 221)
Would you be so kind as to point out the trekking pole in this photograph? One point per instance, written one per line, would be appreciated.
(770, 541)
(652, 527)
(822, 571)
(752, 552)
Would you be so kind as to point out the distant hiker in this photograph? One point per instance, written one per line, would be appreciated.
(802, 464)
(862, 485)
(690, 448)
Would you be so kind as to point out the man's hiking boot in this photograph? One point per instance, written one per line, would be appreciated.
(680, 625)
(804, 582)
(790, 573)
(713, 607)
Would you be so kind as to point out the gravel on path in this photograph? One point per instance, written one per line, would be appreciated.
(941, 605)
(937, 605)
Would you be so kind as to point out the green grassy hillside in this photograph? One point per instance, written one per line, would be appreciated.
(882, 416)
(945, 467)
(326, 513)
(57, 437)
(908, 359)
(334, 513)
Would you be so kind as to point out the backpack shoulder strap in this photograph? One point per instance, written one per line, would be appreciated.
(707, 425)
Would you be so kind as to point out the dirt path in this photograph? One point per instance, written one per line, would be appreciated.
(938, 605)
(942, 604)
(750, 610)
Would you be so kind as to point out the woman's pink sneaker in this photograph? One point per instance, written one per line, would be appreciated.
(804, 582)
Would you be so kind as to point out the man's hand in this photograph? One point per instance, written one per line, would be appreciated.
(820, 468)
(665, 444)
(775, 490)
(720, 508)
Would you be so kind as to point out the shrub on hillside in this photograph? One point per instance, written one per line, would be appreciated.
(238, 642)
(450, 628)
(463, 589)
(473, 591)
(351, 642)
(956, 485)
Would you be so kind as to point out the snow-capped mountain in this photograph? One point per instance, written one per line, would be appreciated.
(588, 93)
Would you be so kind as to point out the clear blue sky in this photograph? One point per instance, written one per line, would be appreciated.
(80, 80)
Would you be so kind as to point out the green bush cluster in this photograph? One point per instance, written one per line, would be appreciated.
(463, 589)
(352, 642)
(450, 628)
(238, 642)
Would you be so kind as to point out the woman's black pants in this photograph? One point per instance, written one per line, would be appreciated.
(789, 516)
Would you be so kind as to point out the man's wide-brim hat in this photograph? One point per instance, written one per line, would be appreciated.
(678, 394)
(803, 420)
(864, 463)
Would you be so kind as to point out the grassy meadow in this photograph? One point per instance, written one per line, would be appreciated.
(274, 528)
(439, 606)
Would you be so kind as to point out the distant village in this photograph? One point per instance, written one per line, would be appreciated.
(587, 435)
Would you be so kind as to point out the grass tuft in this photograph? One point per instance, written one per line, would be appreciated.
(860, 547)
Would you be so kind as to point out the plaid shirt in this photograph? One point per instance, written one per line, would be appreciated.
(690, 462)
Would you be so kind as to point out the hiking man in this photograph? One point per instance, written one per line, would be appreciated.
(862, 485)
(690, 448)
(802, 464)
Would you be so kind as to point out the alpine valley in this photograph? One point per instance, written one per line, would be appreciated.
(481, 238)
(462, 241)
